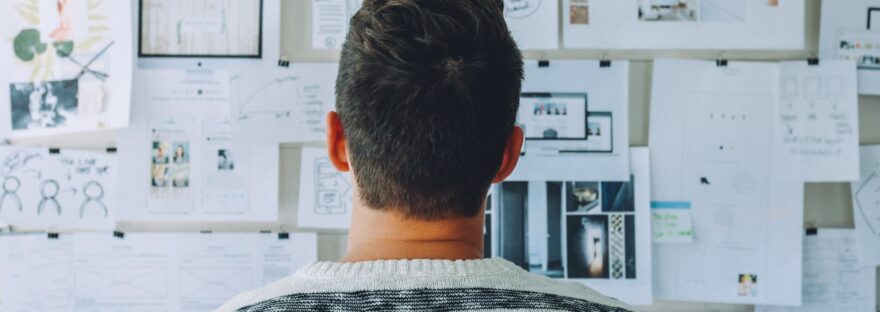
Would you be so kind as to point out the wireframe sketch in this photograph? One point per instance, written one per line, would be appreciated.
(214, 283)
(230, 28)
(117, 282)
(693, 10)
(332, 190)
(66, 72)
(521, 9)
(43, 104)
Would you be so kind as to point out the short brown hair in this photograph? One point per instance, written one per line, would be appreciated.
(428, 92)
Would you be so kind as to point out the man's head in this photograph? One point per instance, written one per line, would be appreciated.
(427, 97)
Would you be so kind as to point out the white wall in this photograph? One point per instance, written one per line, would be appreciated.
(827, 204)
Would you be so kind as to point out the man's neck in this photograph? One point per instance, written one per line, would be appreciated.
(380, 235)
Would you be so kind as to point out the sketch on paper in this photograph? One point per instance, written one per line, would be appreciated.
(42, 187)
(214, 283)
(332, 189)
(108, 283)
(279, 104)
(325, 194)
(201, 28)
(693, 10)
(69, 66)
(276, 97)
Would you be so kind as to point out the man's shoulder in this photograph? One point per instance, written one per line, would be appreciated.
(511, 289)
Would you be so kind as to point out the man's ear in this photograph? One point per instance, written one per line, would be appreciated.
(511, 155)
(336, 143)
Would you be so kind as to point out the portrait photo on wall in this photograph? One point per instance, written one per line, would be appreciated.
(43, 104)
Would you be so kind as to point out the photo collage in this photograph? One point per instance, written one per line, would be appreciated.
(573, 229)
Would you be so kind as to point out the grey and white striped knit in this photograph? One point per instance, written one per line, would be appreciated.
(422, 285)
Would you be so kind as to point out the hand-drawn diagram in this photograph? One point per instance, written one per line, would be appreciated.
(332, 189)
(10, 189)
(44, 187)
(277, 97)
(295, 98)
(113, 283)
(49, 190)
(94, 192)
(214, 283)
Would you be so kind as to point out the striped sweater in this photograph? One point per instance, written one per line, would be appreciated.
(421, 285)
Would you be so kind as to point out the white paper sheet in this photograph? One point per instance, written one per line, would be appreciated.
(711, 145)
(162, 272)
(276, 104)
(324, 193)
(330, 19)
(833, 278)
(180, 161)
(683, 24)
(66, 66)
(70, 189)
(866, 206)
(818, 126)
(604, 154)
(850, 31)
(590, 231)
(533, 23)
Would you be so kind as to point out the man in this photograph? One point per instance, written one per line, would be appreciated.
(427, 96)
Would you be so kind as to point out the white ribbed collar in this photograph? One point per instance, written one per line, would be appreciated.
(418, 267)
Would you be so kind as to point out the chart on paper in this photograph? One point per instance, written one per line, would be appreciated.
(283, 104)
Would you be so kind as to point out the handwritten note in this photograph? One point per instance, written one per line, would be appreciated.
(818, 121)
(671, 222)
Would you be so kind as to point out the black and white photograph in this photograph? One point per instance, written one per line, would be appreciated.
(44, 104)
(225, 161)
